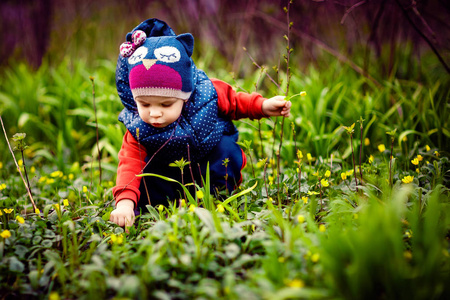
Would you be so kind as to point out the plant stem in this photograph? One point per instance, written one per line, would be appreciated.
(96, 129)
(140, 159)
(288, 77)
(25, 170)
(390, 162)
(354, 167)
(264, 178)
(360, 156)
(17, 165)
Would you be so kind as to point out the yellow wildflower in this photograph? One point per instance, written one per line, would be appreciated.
(85, 189)
(1, 165)
(305, 199)
(200, 194)
(5, 234)
(415, 161)
(327, 173)
(160, 207)
(366, 142)
(53, 296)
(315, 257)
(427, 148)
(381, 147)
(302, 93)
(371, 158)
(405, 138)
(308, 156)
(324, 182)
(281, 259)
(37, 211)
(220, 208)
(33, 169)
(183, 203)
(172, 238)
(1, 214)
(343, 175)
(66, 202)
(56, 206)
(2, 186)
(56, 174)
(417, 171)
(301, 218)
(191, 208)
(349, 172)
(408, 179)
(42, 179)
(312, 193)
(299, 154)
(436, 153)
(296, 284)
(20, 219)
(116, 239)
(8, 210)
(20, 162)
(322, 228)
(70, 176)
(419, 157)
(49, 181)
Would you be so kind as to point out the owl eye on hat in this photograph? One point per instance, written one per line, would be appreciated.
(160, 66)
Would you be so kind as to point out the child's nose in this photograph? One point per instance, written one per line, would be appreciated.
(155, 112)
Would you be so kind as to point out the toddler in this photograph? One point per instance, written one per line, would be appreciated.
(174, 111)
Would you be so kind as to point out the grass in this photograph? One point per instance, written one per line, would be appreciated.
(318, 234)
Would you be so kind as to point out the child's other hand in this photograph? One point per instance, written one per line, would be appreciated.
(277, 106)
(123, 215)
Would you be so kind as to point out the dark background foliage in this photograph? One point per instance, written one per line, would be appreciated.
(34, 30)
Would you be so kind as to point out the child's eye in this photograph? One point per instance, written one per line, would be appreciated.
(145, 105)
(166, 104)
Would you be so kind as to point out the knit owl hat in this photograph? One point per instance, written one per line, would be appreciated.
(159, 65)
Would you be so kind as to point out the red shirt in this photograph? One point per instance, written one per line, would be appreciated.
(132, 155)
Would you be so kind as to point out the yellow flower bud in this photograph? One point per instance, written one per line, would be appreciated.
(322, 228)
(381, 147)
(220, 208)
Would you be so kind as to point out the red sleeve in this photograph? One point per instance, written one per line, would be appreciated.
(131, 161)
(238, 105)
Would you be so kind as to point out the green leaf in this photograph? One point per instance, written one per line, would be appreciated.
(16, 265)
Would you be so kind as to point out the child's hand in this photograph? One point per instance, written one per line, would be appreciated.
(277, 106)
(123, 215)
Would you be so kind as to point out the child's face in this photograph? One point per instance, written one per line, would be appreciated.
(159, 111)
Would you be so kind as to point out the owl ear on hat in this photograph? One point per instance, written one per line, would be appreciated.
(188, 42)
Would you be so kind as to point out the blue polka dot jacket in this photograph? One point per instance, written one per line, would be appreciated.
(204, 127)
